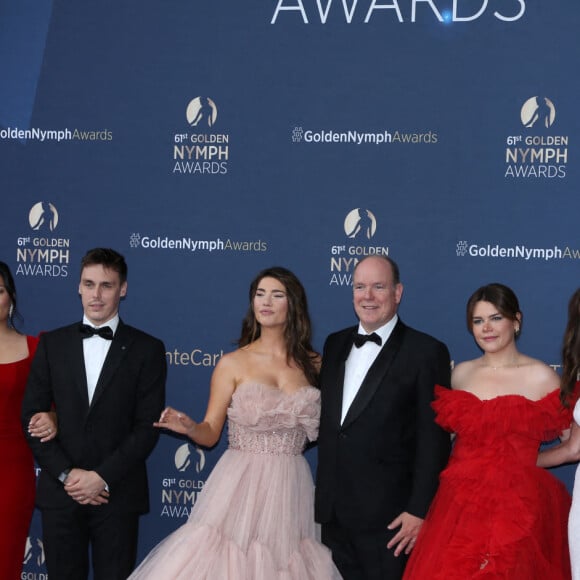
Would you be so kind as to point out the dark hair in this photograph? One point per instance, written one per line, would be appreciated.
(571, 350)
(109, 259)
(502, 297)
(11, 289)
(394, 266)
(298, 331)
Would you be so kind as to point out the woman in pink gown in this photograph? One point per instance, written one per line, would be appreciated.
(254, 519)
(17, 480)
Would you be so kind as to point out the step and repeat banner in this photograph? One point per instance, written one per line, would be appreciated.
(208, 139)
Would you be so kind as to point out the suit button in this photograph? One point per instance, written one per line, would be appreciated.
(343, 436)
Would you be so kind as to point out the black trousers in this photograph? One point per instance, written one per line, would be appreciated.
(70, 533)
(363, 555)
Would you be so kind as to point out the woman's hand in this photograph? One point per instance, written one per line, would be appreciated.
(43, 426)
(566, 452)
(176, 421)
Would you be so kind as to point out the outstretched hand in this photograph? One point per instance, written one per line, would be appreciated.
(406, 537)
(176, 421)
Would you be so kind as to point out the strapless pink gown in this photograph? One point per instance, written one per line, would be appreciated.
(254, 519)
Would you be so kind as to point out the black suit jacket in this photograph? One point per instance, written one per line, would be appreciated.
(386, 456)
(114, 434)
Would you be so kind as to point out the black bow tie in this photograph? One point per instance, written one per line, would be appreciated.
(360, 339)
(105, 332)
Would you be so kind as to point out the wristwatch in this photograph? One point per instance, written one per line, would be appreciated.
(62, 477)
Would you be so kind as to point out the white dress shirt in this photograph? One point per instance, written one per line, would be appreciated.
(359, 362)
(95, 349)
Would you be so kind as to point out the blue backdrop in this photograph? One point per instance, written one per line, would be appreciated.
(206, 140)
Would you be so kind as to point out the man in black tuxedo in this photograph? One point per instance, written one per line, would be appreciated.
(106, 381)
(379, 449)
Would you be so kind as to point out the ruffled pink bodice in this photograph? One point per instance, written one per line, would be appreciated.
(264, 419)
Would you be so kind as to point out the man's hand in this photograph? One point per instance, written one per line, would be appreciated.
(405, 538)
(86, 487)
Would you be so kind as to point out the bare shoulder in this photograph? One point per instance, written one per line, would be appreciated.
(232, 362)
(541, 376)
(461, 374)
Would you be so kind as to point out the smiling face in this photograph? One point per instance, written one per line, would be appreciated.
(492, 331)
(270, 303)
(101, 291)
(376, 297)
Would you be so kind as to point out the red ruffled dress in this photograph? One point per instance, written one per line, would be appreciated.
(495, 515)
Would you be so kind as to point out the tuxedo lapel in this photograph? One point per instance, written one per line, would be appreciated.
(376, 374)
(117, 351)
(335, 411)
(336, 381)
(76, 357)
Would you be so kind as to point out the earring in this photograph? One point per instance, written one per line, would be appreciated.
(10, 313)
(517, 331)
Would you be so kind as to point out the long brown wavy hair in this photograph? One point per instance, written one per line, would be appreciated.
(298, 330)
(571, 350)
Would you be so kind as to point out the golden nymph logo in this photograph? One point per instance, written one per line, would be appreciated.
(536, 152)
(199, 149)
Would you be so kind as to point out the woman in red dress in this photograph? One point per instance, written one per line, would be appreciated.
(496, 514)
(17, 480)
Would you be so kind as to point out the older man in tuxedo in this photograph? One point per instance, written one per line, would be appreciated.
(106, 381)
(379, 449)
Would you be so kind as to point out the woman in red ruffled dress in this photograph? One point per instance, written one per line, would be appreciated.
(496, 514)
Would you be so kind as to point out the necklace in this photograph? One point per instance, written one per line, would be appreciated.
(512, 365)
